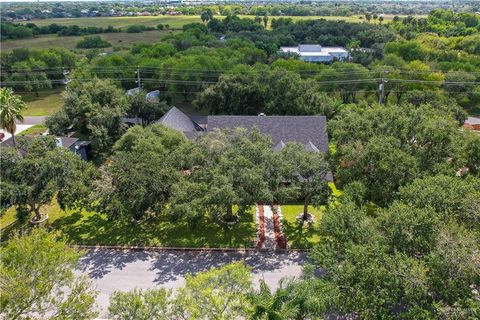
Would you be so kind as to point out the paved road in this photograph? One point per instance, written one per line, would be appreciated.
(34, 120)
(113, 270)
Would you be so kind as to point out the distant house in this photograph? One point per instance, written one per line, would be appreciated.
(153, 95)
(317, 53)
(472, 123)
(75, 145)
(307, 130)
(131, 92)
(150, 96)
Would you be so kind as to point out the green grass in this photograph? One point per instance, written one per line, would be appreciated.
(178, 21)
(46, 103)
(298, 236)
(9, 223)
(121, 22)
(34, 131)
(117, 40)
(90, 228)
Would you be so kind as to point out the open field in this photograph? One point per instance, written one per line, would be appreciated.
(177, 21)
(120, 22)
(48, 102)
(121, 39)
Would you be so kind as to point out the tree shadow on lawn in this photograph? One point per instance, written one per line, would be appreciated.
(300, 236)
(88, 228)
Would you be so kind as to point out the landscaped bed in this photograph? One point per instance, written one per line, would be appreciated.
(90, 228)
(298, 236)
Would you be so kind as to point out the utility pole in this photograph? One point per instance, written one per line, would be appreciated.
(138, 81)
(381, 88)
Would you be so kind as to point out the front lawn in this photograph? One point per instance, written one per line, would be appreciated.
(36, 130)
(48, 101)
(301, 237)
(89, 228)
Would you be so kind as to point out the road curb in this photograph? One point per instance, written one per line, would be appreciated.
(147, 248)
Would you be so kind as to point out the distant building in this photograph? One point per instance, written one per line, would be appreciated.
(150, 96)
(317, 53)
(153, 95)
(133, 91)
(472, 123)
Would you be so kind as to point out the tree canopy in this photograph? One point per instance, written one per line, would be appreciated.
(38, 279)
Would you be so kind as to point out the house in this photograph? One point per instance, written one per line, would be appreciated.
(307, 130)
(153, 95)
(73, 144)
(150, 96)
(317, 53)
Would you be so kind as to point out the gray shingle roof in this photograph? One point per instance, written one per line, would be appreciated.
(311, 147)
(307, 130)
(66, 142)
(178, 120)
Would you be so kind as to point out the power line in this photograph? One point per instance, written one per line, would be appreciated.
(322, 82)
(230, 71)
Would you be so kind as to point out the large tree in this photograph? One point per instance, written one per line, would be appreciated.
(375, 143)
(11, 107)
(95, 108)
(137, 181)
(423, 268)
(38, 279)
(29, 75)
(222, 169)
(148, 110)
(308, 170)
(38, 170)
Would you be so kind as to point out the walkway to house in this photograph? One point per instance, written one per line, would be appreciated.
(269, 221)
(270, 243)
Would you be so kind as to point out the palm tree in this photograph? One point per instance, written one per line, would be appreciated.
(11, 107)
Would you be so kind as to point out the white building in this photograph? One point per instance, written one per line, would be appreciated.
(317, 53)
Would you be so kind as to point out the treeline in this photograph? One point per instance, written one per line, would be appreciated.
(29, 30)
(442, 22)
(305, 8)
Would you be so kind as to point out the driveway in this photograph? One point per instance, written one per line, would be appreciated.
(113, 270)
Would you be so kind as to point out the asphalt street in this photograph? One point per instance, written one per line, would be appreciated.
(34, 120)
(113, 270)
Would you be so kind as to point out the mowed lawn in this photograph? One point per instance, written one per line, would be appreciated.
(89, 228)
(120, 39)
(298, 236)
(48, 101)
